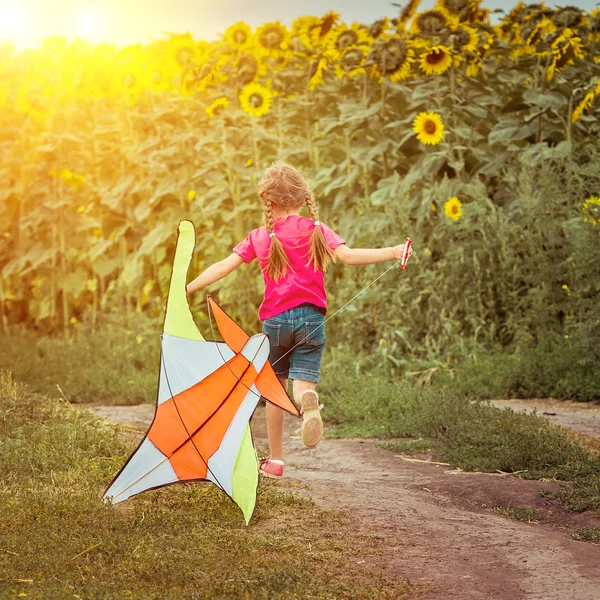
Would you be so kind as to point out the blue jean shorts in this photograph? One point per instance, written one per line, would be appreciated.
(303, 330)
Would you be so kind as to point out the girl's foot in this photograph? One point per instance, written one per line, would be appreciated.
(270, 467)
(312, 425)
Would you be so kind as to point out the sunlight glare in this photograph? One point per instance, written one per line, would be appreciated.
(90, 23)
(11, 20)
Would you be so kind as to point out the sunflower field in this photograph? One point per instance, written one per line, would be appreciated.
(478, 139)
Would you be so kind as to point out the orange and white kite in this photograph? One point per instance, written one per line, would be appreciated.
(207, 392)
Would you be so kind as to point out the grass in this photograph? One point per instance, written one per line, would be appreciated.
(114, 363)
(467, 433)
(520, 514)
(588, 534)
(58, 540)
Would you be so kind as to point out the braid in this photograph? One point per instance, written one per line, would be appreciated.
(277, 260)
(268, 210)
(319, 253)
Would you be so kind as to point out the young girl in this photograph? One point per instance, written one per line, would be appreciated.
(293, 253)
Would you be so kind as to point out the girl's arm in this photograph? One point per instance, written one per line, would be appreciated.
(215, 272)
(368, 256)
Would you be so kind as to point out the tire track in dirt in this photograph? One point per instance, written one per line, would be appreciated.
(431, 523)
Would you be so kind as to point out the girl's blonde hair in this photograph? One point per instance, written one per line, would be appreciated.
(283, 185)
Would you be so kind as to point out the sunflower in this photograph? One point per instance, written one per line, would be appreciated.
(272, 38)
(433, 22)
(379, 29)
(159, 77)
(238, 35)
(429, 128)
(534, 34)
(255, 99)
(406, 14)
(217, 107)
(393, 59)
(247, 68)
(3, 95)
(591, 210)
(453, 208)
(315, 32)
(182, 52)
(350, 63)
(436, 60)
(473, 66)
(465, 39)
(317, 69)
(343, 37)
(30, 100)
(464, 10)
(569, 16)
(586, 103)
(564, 50)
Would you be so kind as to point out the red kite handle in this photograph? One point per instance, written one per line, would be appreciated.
(404, 258)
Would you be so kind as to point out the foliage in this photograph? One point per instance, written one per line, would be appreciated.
(59, 540)
(116, 363)
(104, 150)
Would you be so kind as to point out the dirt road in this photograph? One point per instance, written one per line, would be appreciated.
(436, 524)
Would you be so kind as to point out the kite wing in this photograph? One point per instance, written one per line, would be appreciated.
(207, 392)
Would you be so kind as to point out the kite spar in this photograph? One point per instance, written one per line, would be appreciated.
(207, 393)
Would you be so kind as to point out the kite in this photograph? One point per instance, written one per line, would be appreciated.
(207, 393)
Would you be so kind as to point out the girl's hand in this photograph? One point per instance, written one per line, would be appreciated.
(399, 251)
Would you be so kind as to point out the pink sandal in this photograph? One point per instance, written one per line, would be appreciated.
(270, 467)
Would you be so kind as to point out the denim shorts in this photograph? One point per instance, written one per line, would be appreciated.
(302, 326)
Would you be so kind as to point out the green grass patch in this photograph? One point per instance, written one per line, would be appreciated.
(409, 446)
(520, 514)
(588, 534)
(58, 540)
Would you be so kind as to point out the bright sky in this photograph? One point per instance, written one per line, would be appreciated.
(131, 21)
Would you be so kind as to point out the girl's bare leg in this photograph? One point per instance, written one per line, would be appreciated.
(275, 427)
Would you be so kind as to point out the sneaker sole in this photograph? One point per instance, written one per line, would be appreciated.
(312, 425)
(265, 474)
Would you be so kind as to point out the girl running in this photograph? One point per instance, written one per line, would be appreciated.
(293, 253)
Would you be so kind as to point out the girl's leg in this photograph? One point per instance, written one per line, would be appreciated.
(275, 427)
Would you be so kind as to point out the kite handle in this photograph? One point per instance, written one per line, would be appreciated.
(405, 253)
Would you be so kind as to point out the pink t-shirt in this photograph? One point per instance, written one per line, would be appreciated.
(301, 283)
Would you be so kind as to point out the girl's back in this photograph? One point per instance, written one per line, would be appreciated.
(302, 282)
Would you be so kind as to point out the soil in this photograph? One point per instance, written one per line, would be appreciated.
(437, 525)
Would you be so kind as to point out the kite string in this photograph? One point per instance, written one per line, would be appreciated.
(337, 311)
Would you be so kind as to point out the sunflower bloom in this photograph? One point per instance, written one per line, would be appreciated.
(564, 50)
(407, 13)
(429, 128)
(216, 107)
(256, 99)
(453, 208)
(591, 210)
(344, 37)
(433, 22)
(393, 59)
(273, 38)
(350, 63)
(436, 60)
(585, 104)
(238, 35)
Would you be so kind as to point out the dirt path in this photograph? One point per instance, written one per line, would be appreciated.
(436, 524)
(580, 416)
